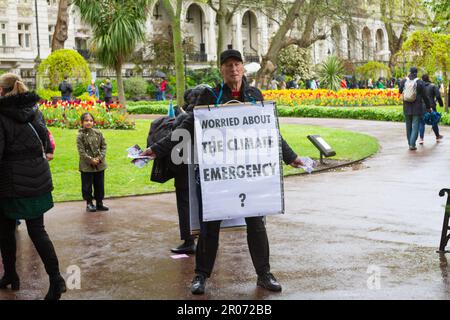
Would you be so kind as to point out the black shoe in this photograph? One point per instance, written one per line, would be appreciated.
(101, 207)
(187, 247)
(57, 287)
(90, 207)
(13, 281)
(268, 281)
(198, 284)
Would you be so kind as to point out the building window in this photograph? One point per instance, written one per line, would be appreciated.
(24, 35)
(2, 34)
(51, 31)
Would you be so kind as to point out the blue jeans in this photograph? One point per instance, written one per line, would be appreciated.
(163, 95)
(65, 98)
(422, 129)
(412, 129)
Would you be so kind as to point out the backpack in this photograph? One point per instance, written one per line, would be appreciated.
(159, 129)
(62, 87)
(410, 90)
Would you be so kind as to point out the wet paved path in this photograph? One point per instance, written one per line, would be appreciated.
(385, 213)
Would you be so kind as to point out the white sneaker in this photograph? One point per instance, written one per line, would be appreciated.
(420, 141)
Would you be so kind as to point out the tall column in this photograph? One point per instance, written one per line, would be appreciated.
(264, 35)
(237, 31)
(344, 41)
(211, 36)
(11, 14)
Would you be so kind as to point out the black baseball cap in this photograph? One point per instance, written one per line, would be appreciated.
(230, 53)
(413, 70)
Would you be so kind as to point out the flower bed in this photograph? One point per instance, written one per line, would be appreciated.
(67, 115)
(344, 98)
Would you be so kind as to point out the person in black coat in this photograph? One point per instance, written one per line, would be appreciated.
(433, 95)
(414, 110)
(107, 91)
(26, 183)
(234, 87)
(66, 89)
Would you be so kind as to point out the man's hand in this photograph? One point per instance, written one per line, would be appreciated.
(49, 156)
(297, 163)
(149, 153)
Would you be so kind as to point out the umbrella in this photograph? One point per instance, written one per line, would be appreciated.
(252, 67)
(159, 74)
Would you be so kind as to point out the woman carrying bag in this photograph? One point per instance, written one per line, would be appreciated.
(26, 183)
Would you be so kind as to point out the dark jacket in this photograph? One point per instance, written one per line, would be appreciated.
(107, 90)
(433, 95)
(24, 171)
(416, 108)
(65, 88)
(209, 97)
(91, 145)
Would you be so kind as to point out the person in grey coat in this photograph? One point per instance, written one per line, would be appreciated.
(414, 110)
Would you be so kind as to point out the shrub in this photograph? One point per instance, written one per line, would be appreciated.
(85, 97)
(331, 72)
(64, 62)
(135, 86)
(295, 61)
(46, 94)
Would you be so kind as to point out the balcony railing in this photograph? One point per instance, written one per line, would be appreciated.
(251, 58)
(198, 57)
(7, 50)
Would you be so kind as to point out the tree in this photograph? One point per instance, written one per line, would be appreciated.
(174, 13)
(331, 72)
(441, 18)
(299, 27)
(372, 70)
(394, 12)
(296, 61)
(430, 52)
(62, 25)
(117, 27)
(64, 62)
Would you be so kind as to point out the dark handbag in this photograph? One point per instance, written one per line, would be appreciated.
(160, 171)
(432, 118)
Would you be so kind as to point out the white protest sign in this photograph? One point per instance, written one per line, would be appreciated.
(238, 152)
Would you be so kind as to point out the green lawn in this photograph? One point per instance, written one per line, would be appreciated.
(123, 178)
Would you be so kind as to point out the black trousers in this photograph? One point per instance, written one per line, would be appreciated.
(208, 243)
(96, 180)
(40, 239)
(183, 212)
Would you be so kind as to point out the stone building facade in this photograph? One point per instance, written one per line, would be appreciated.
(250, 33)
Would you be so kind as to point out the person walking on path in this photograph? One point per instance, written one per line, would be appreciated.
(92, 150)
(415, 101)
(234, 87)
(66, 89)
(26, 182)
(433, 95)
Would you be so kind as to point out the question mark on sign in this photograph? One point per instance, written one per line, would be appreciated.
(243, 197)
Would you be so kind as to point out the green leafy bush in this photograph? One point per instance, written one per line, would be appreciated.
(147, 109)
(64, 62)
(47, 94)
(135, 86)
(331, 72)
